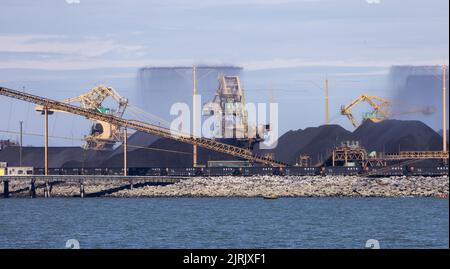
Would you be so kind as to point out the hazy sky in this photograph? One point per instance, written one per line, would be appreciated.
(60, 48)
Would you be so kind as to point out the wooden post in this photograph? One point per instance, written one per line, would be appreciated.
(45, 141)
(444, 109)
(81, 189)
(21, 143)
(345, 157)
(194, 149)
(326, 102)
(32, 188)
(5, 188)
(334, 157)
(47, 189)
(125, 173)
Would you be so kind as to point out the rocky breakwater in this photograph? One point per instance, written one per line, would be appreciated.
(294, 186)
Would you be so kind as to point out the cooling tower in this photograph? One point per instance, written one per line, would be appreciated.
(415, 88)
(161, 87)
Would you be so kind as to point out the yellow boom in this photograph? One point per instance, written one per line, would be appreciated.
(378, 113)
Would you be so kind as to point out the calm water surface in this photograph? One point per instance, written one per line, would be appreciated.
(225, 222)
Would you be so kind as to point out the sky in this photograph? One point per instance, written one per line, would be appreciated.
(61, 48)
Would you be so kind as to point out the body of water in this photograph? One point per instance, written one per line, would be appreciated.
(224, 222)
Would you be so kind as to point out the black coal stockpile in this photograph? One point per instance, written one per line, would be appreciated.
(440, 132)
(57, 157)
(164, 153)
(150, 151)
(317, 142)
(314, 141)
(387, 136)
(395, 135)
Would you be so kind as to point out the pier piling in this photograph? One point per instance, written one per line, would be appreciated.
(82, 189)
(5, 188)
(47, 190)
(33, 188)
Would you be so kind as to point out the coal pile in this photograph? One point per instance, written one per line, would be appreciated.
(314, 141)
(163, 152)
(139, 139)
(441, 133)
(57, 157)
(387, 136)
(146, 150)
(395, 135)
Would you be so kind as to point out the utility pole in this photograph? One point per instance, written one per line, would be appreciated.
(21, 143)
(194, 153)
(21, 137)
(125, 173)
(45, 140)
(326, 102)
(444, 109)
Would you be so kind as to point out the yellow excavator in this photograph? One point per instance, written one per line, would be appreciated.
(381, 109)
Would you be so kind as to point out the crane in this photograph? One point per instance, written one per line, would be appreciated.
(103, 135)
(53, 105)
(378, 113)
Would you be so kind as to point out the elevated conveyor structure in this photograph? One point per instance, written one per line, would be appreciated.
(210, 144)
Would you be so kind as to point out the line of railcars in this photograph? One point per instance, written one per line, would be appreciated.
(254, 171)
